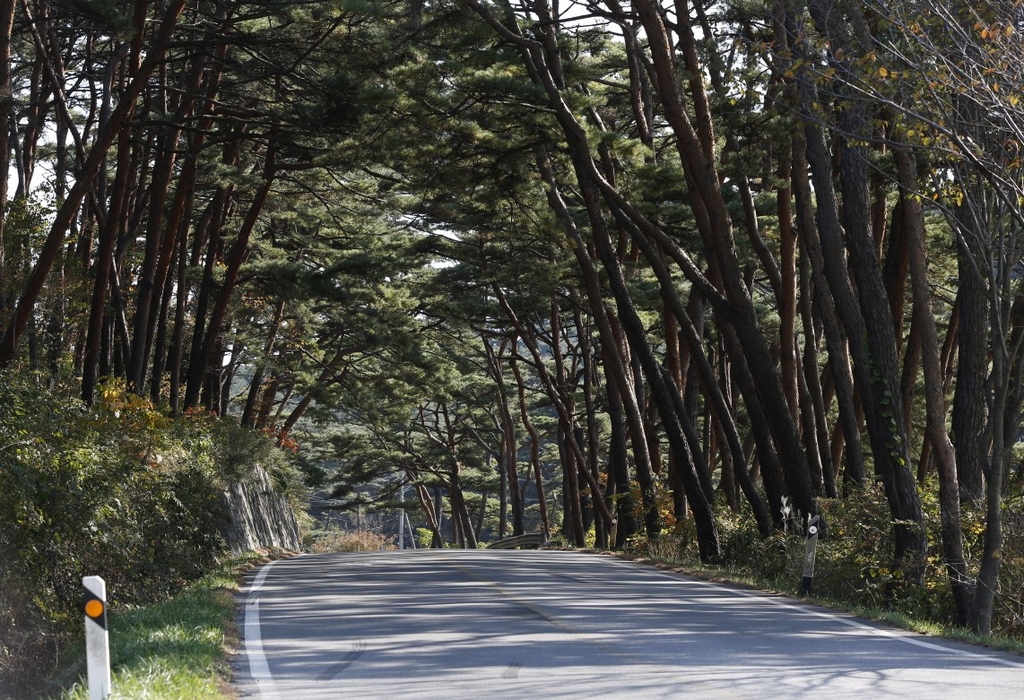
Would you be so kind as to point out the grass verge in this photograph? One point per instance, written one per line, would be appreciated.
(177, 649)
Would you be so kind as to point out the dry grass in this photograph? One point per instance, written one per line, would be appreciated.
(333, 540)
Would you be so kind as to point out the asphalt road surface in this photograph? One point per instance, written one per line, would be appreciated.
(548, 624)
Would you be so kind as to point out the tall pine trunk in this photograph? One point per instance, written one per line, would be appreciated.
(951, 530)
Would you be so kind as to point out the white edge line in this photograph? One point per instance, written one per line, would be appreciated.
(805, 609)
(259, 669)
(260, 578)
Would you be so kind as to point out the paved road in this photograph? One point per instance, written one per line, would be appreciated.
(544, 624)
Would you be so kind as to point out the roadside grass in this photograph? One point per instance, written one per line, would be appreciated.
(176, 649)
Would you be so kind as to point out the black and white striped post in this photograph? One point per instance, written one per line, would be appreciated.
(810, 545)
(97, 646)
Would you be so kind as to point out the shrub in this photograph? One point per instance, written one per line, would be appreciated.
(853, 563)
(1008, 616)
(335, 540)
(776, 559)
(117, 491)
(424, 538)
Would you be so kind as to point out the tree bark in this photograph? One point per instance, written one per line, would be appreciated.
(694, 146)
(665, 395)
(935, 405)
(248, 418)
(970, 407)
(711, 389)
(508, 454)
(612, 349)
(866, 313)
(102, 270)
(576, 463)
(835, 342)
(589, 391)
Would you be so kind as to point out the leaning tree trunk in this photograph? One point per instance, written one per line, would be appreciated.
(618, 467)
(866, 313)
(712, 390)
(232, 263)
(683, 445)
(835, 343)
(509, 451)
(694, 141)
(868, 321)
(572, 435)
(613, 351)
(935, 406)
(593, 430)
(970, 407)
(460, 512)
(108, 234)
(564, 414)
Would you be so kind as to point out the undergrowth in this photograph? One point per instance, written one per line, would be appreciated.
(336, 540)
(116, 490)
(852, 571)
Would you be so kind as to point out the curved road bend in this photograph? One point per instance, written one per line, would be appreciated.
(548, 624)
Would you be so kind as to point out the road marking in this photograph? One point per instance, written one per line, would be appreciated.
(259, 669)
(802, 608)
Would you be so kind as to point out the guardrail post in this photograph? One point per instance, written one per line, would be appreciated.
(97, 646)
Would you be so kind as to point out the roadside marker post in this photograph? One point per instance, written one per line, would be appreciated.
(97, 645)
(810, 545)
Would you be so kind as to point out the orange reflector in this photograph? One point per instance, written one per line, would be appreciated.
(94, 608)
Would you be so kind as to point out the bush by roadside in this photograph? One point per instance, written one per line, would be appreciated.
(335, 540)
(116, 490)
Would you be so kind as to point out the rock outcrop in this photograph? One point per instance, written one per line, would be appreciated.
(257, 517)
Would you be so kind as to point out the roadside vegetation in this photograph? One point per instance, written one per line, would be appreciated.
(334, 539)
(848, 574)
(116, 490)
(176, 648)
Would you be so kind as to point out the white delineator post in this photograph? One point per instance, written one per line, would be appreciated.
(97, 646)
(810, 544)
